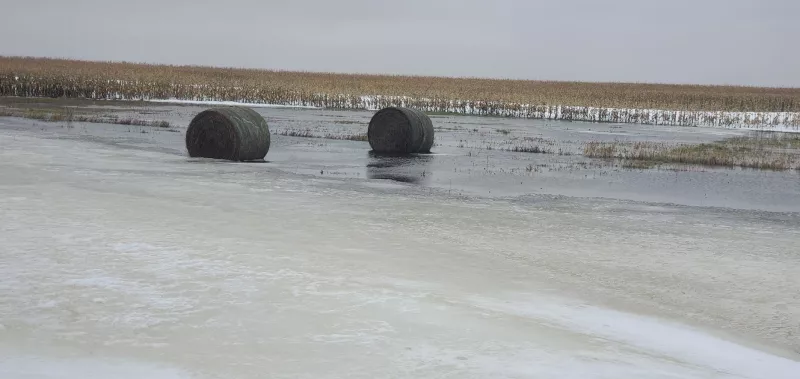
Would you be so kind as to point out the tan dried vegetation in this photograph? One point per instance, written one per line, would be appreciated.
(762, 150)
(21, 76)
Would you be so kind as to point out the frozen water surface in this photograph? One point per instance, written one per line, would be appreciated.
(122, 258)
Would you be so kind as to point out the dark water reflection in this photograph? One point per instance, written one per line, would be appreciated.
(414, 169)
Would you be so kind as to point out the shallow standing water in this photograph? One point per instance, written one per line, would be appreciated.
(470, 158)
(124, 258)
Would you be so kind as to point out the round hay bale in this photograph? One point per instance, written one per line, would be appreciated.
(232, 133)
(398, 130)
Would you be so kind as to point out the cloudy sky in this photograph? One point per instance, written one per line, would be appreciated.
(747, 42)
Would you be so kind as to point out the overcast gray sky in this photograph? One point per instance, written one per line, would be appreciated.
(747, 42)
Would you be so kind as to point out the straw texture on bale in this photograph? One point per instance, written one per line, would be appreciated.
(232, 133)
(398, 130)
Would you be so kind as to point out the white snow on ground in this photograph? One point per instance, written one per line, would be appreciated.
(651, 336)
(227, 103)
(15, 366)
(777, 121)
(125, 263)
(771, 121)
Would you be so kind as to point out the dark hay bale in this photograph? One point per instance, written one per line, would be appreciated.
(232, 133)
(397, 130)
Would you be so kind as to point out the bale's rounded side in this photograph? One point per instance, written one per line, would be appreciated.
(232, 133)
(398, 130)
(427, 130)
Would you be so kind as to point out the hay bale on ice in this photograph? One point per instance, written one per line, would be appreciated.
(397, 130)
(232, 133)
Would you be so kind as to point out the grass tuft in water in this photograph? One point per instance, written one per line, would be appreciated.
(760, 150)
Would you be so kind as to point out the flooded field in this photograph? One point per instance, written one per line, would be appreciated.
(122, 257)
(475, 156)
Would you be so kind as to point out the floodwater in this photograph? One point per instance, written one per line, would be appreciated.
(470, 157)
(121, 257)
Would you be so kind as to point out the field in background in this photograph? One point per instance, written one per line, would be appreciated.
(687, 105)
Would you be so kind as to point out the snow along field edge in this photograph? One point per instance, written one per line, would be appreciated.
(770, 121)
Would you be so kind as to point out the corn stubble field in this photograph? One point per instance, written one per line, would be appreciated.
(684, 105)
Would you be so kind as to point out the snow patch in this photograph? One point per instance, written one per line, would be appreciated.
(771, 121)
(78, 368)
(229, 103)
(650, 335)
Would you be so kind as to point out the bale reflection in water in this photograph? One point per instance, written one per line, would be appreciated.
(413, 168)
